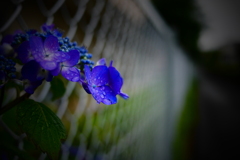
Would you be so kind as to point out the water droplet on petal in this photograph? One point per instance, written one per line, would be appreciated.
(102, 96)
(104, 93)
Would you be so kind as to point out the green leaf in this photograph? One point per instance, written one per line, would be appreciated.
(57, 87)
(42, 126)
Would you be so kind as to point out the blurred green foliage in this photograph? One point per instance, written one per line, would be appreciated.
(183, 144)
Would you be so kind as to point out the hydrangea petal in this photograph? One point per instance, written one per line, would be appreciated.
(74, 58)
(71, 73)
(85, 87)
(57, 70)
(123, 95)
(103, 94)
(51, 44)
(87, 73)
(99, 75)
(30, 70)
(115, 80)
(47, 28)
(31, 86)
(48, 65)
(60, 56)
(101, 62)
(48, 76)
(37, 48)
(24, 53)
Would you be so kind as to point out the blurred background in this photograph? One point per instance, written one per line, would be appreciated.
(181, 67)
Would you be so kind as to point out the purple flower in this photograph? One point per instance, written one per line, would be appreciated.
(30, 87)
(24, 52)
(50, 29)
(104, 83)
(33, 75)
(67, 68)
(46, 53)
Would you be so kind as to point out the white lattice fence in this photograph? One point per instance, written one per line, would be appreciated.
(116, 30)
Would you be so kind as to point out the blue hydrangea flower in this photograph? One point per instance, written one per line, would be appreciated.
(104, 83)
(67, 68)
(51, 30)
(46, 53)
(24, 52)
(30, 86)
(33, 75)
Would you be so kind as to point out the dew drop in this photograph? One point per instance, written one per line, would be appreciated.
(104, 93)
(102, 96)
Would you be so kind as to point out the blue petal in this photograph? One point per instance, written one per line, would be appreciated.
(49, 76)
(51, 47)
(116, 81)
(123, 95)
(36, 46)
(71, 73)
(99, 76)
(74, 58)
(103, 94)
(31, 86)
(30, 71)
(57, 70)
(47, 28)
(101, 62)
(51, 44)
(85, 87)
(48, 65)
(24, 53)
(87, 72)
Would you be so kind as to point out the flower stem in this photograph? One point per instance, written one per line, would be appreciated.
(14, 103)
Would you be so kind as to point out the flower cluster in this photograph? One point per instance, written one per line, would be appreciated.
(45, 54)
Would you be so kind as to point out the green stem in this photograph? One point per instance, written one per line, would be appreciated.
(14, 103)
